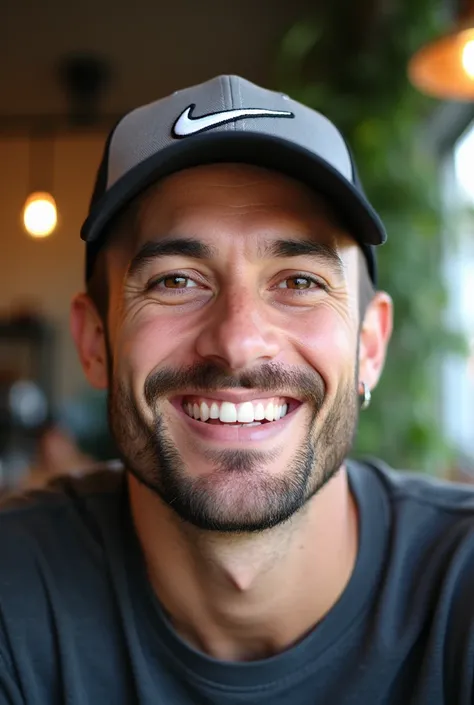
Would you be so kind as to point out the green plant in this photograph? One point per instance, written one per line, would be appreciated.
(350, 63)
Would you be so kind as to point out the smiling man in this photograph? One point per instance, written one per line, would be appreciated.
(231, 312)
(245, 403)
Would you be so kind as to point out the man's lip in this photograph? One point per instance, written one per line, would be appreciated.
(235, 397)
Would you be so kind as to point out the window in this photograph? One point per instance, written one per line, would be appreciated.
(458, 372)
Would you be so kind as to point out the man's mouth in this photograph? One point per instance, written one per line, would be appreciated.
(255, 412)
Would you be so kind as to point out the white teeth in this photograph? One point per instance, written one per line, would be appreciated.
(245, 412)
(228, 412)
(254, 423)
(269, 412)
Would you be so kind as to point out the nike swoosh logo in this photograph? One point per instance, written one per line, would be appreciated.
(187, 125)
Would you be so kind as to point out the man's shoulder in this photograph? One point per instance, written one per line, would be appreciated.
(419, 491)
(54, 546)
(58, 511)
(100, 482)
(417, 538)
(428, 524)
(426, 520)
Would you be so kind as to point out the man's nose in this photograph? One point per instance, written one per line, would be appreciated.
(238, 334)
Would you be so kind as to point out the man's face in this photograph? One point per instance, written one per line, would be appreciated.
(233, 337)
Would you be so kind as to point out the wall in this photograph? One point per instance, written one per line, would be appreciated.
(153, 47)
(48, 271)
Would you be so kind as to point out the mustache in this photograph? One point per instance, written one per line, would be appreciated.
(306, 385)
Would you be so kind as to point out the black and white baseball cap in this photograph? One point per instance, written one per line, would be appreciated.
(228, 119)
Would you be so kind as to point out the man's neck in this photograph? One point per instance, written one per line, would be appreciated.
(246, 597)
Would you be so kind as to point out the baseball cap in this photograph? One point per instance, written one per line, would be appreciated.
(228, 119)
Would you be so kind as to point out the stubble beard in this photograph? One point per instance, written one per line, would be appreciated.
(239, 494)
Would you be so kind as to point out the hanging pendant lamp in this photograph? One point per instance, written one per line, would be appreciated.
(444, 68)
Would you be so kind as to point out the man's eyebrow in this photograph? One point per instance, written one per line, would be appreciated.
(184, 247)
(304, 248)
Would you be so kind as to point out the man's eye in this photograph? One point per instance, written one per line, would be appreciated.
(175, 281)
(299, 283)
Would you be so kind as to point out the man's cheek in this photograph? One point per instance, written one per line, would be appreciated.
(327, 338)
(149, 343)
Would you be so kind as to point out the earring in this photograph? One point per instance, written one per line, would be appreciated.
(365, 396)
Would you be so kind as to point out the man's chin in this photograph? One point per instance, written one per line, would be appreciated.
(233, 490)
(237, 502)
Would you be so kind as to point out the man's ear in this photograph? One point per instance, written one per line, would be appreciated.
(88, 332)
(375, 333)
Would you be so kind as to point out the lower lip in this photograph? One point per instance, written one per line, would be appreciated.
(227, 433)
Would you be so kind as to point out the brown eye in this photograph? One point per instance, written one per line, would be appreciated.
(298, 283)
(175, 281)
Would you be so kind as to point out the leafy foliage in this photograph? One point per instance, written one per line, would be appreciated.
(355, 72)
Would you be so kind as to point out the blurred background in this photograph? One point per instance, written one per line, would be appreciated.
(396, 76)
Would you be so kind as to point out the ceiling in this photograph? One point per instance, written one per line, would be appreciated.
(153, 47)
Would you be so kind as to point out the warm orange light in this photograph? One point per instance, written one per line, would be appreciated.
(40, 215)
(468, 58)
(445, 68)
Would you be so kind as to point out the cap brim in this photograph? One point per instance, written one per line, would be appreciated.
(245, 147)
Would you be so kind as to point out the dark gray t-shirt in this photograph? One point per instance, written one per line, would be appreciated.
(79, 623)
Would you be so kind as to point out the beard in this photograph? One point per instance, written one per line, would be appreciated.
(239, 494)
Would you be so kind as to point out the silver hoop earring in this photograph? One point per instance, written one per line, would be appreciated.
(365, 397)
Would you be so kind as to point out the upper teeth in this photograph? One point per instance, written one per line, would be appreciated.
(247, 412)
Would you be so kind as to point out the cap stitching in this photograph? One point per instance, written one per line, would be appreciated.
(232, 125)
(221, 87)
(239, 85)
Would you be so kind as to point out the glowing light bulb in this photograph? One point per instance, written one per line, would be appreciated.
(40, 215)
(468, 58)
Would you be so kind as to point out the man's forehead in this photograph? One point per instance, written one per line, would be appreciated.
(231, 185)
(233, 192)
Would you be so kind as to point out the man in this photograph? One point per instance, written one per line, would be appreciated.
(231, 312)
